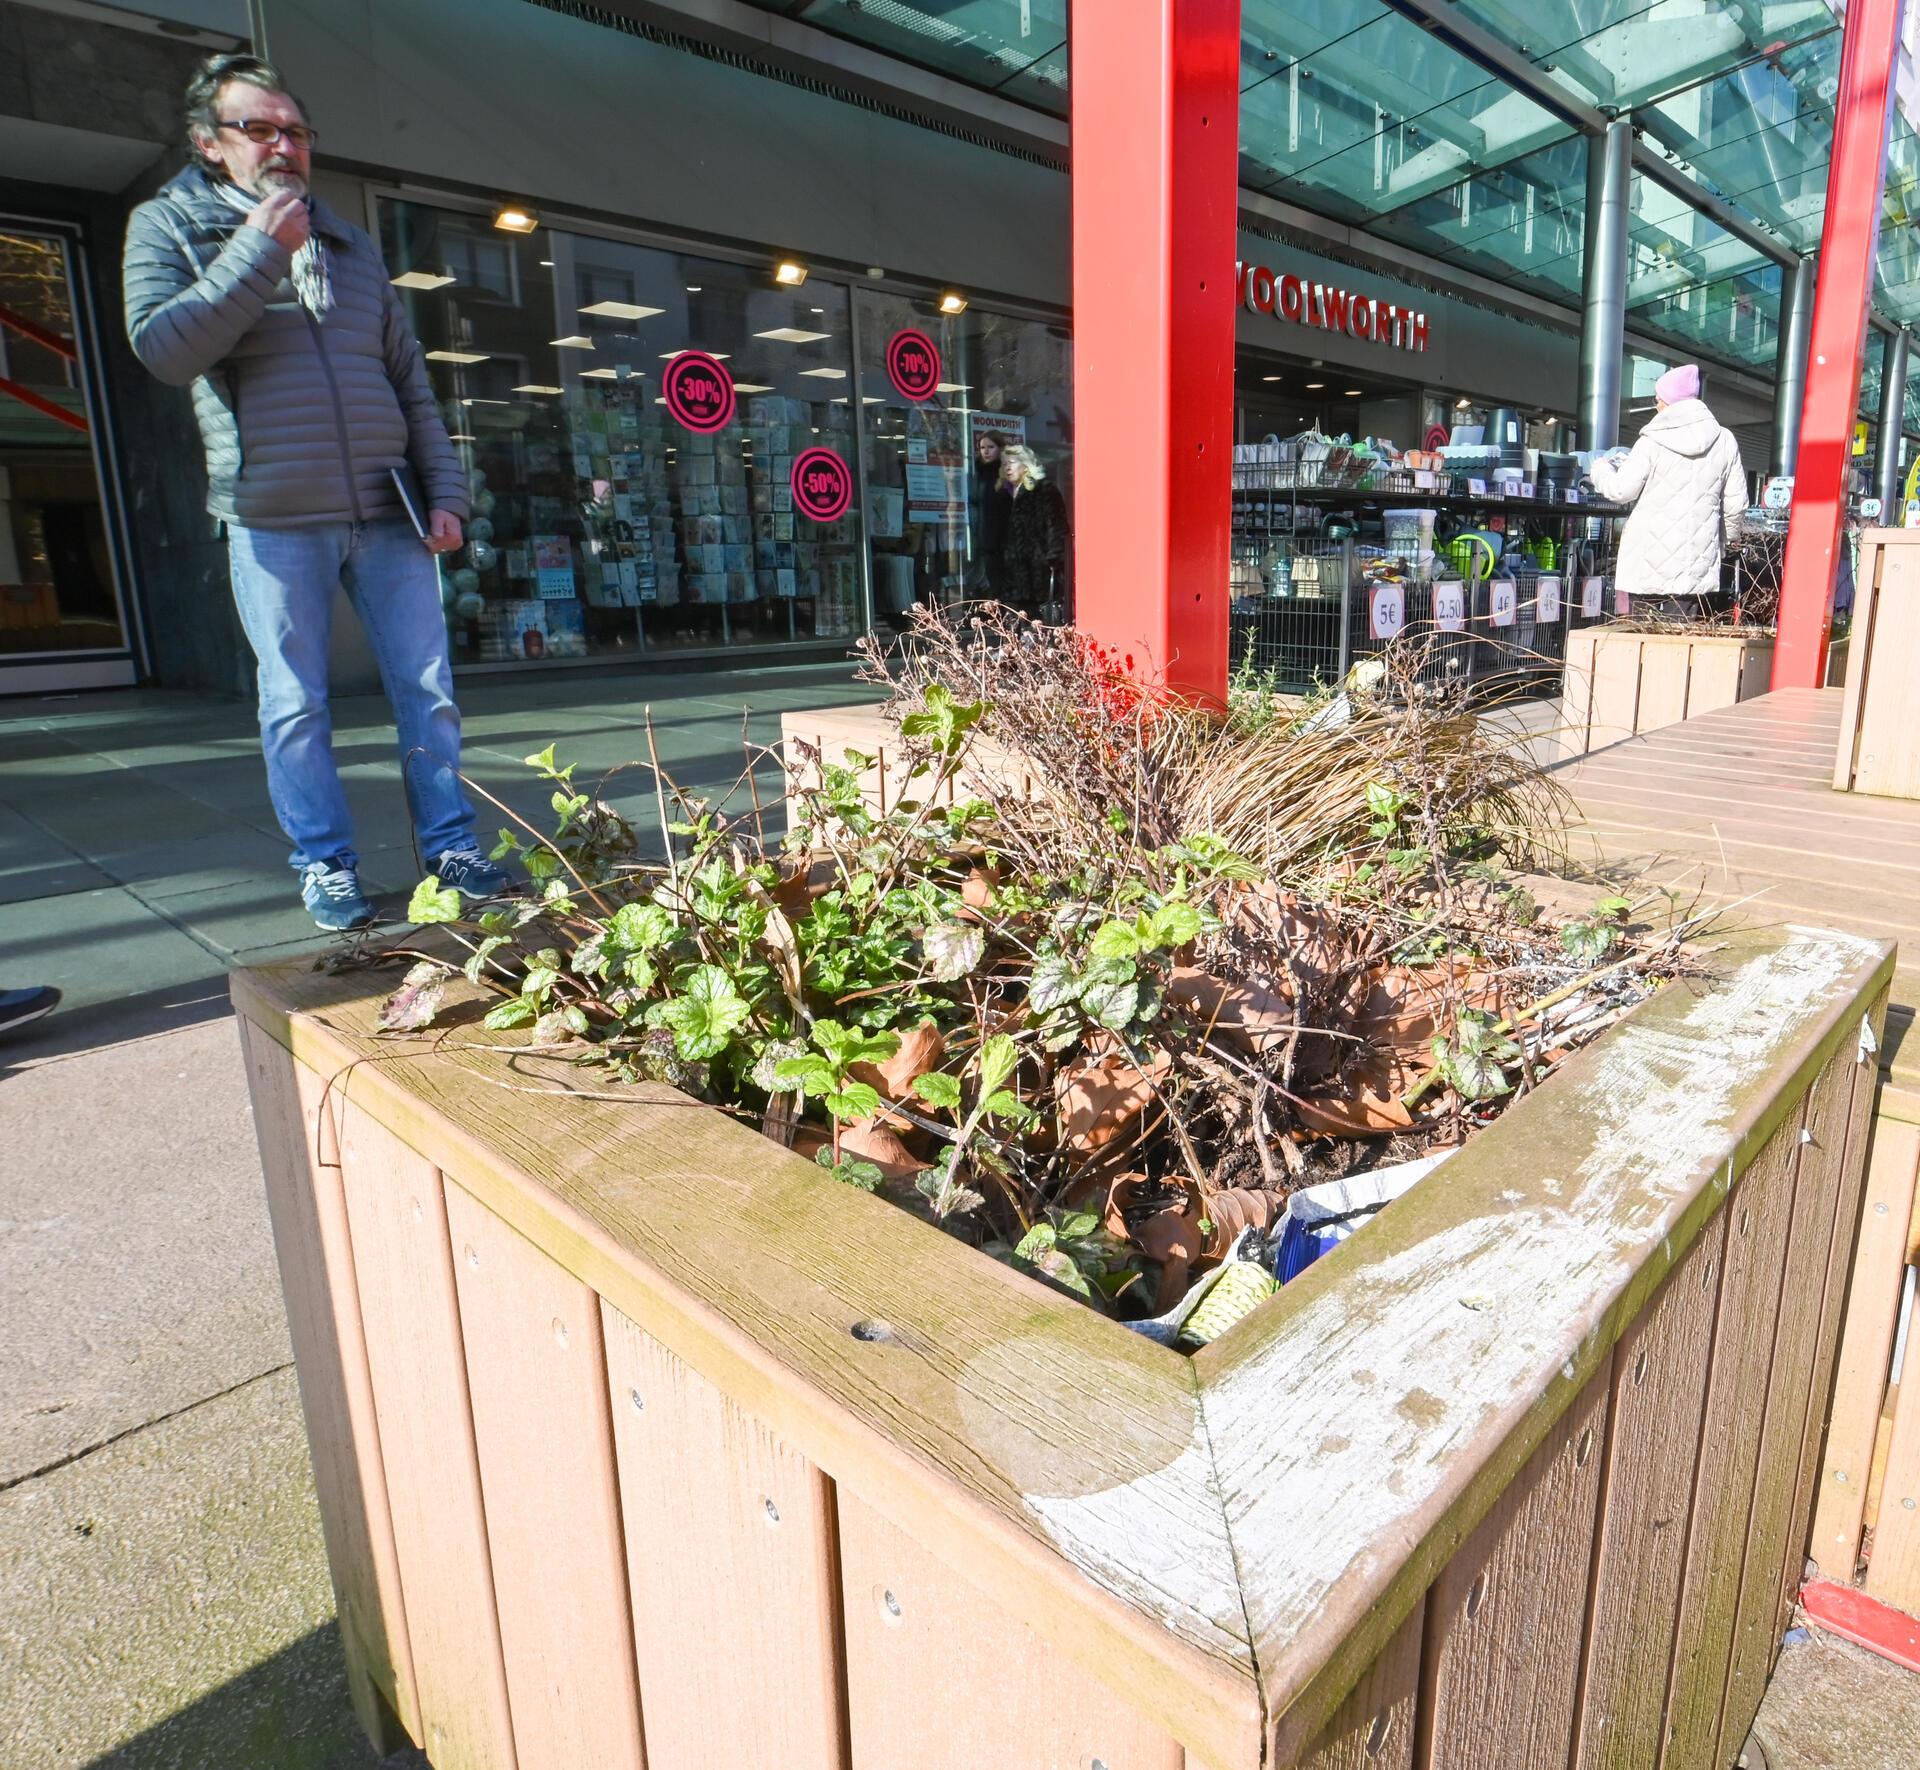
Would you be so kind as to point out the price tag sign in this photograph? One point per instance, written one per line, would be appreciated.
(1389, 611)
(1476, 488)
(1525, 488)
(1547, 607)
(1450, 606)
(1591, 593)
(1869, 509)
(1504, 602)
(1778, 494)
(1425, 479)
(1573, 495)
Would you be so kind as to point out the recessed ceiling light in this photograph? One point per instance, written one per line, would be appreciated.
(1462, 405)
(826, 374)
(693, 288)
(462, 436)
(1271, 377)
(622, 310)
(750, 387)
(420, 279)
(791, 272)
(793, 335)
(1315, 386)
(952, 301)
(456, 356)
(515, 218)
(536, 387)
(573, 341)
(816, 310)
(546, 264)
(1353, 393)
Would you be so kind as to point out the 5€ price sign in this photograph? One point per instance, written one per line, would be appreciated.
(1389, 611)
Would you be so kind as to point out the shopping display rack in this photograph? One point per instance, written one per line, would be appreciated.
(1317, 542)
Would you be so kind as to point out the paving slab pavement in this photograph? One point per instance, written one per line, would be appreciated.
(1834, 1706)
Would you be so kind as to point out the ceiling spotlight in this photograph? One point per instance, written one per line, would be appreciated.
(1270, 377)
(790, 272)
(1315, 386)
(952, 301)
(515, 218)
(1463, 405)
(1352, 393)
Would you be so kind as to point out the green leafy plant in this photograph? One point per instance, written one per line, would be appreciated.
(1473, 1063)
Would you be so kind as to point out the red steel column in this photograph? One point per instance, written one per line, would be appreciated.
(1155, 146)
(1863, 110)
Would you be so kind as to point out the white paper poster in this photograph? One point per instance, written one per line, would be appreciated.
(1590, 594)
(1389, 611)
(1504, 601)
(1450, 607)
(1622, 602)
(1548, 602)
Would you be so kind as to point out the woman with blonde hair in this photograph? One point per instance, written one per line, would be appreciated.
(1034, 553)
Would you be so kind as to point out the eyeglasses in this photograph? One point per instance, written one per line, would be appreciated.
(265, 133)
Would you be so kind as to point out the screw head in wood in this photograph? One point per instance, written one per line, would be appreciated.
(639, 1401)
(773, 1513)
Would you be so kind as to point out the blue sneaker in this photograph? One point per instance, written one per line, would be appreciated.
(469, 872)
(333, 897)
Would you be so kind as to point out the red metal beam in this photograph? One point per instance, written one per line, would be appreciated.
(1156, 131)
(1863, 110)
(53, 341)
(27, 397)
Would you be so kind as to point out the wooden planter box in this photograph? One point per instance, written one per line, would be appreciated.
(639, 1441)
(1879, 748)
(1620, 682)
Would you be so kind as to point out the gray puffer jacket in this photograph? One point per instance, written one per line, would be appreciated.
(303, 421)
(1689, 494)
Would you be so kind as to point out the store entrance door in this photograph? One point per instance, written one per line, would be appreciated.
(63, 621)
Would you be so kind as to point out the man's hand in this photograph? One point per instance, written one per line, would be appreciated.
(283, 216)
(443, 531)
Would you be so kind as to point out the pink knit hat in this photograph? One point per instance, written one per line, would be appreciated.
(1678, 384)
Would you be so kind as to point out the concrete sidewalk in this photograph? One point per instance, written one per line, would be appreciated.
(163, 1592)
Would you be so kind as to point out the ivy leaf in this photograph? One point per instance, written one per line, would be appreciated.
(706, 1014)
(1173, 925)
(854, 1100)
(1037, 1241)
(412, 1006)
(1001, 1104)
(938, 1089)
(434, 902)
(642, 973)
(1115, 940)
(1053, 983)
(1589, 942)
(1112, 1004)
(516, 1011)
(954, 950)
(590, 956)
(999, 1058)
(804, 1075)
(542, 760)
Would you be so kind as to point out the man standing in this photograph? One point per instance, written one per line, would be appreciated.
(310, 393)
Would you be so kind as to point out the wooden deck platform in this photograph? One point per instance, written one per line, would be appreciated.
(1739, 805)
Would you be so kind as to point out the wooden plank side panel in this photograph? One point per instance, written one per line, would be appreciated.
(1715, 678)
(1866, 1348)
(1758, 1215)
(1770, 1527)
(732, 1565)
(1576, 692)
(1504, 1619)
(1859, 648)
(1833, 1303)
(940, 1678)
(1893, 1574)
(1616, 690)
(538, 1376)
(314, 1246)
(1887, 751)
(404, 1264)
(1659, 1397)
(1663, 684)
(1377, 1727)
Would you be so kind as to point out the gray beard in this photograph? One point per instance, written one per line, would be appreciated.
(280, 178)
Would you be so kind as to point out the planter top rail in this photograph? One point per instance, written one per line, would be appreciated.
(1231, 1539)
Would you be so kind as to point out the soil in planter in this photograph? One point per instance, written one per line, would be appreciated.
(1111, 981)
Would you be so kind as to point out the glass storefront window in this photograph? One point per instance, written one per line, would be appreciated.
(601, 526)
(945, 521)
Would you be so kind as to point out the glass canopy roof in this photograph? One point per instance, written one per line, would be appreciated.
(1350, 108)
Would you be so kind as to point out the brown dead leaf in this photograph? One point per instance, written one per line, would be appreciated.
(1162, 1219)
(976, 890)
(1100, 1097)
(870, 1141)
(921, 1051)
(1233, 1209)
(1252, 1019)
(801, 885)
(1363, 1101)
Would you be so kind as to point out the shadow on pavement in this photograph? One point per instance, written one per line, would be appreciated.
(70, 1032)
(290, 1712)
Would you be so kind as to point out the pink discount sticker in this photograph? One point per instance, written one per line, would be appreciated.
(822, 485)
(913, 364)
(699, 391)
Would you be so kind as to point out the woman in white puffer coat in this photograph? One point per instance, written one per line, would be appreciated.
(1688, 491)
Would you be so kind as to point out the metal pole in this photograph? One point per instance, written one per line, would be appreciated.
(1790, 366)
(1893, 412)
(1603, 319)
(1856, 179)
(1156, 129)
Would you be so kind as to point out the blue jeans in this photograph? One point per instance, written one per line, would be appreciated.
(283, 584)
